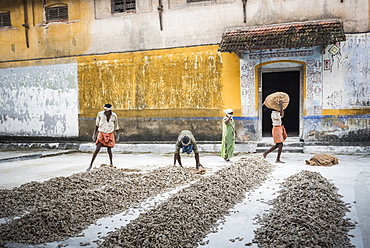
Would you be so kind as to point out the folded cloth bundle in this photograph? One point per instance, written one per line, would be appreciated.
(323, 160)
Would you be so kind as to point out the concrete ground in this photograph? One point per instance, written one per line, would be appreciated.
(351, 176)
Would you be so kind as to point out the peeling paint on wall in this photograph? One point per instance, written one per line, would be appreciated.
(314, 87)
(39, 101)
(346, 90)
(137, 81)
(344, 128)
(156, 94)
(247, 84)
(347, 84)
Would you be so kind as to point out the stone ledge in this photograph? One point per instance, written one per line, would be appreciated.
(169, 148)
(337, 149)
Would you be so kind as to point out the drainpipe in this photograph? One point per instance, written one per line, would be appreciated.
(160, 10)
(33, 12)
(26, 25)
(244, 10)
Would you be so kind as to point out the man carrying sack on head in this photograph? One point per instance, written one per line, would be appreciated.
(277, 101)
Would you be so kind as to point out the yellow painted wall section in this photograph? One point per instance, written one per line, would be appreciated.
(12, 38)
(231, 83)
(45, 39)
(181, 82)
(364, 111)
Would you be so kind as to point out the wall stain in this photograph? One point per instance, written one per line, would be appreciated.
(140, 81)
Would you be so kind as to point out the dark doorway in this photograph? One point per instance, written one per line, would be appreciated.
(289, 82)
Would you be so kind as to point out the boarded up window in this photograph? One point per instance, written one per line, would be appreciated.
(123, 6)
(5, 19)
(57, 13)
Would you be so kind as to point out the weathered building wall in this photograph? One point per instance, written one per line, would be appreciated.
(346, 91)
(156, 94)
(335, 102)
(32, 37)
(306, 60)
(353, 13)
(146, 72)
(39, 101)
(346, 75)
(189, 24)
(93, 29)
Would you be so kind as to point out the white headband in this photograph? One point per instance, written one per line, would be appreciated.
(107, 109)
(228, 111)
(186, 143)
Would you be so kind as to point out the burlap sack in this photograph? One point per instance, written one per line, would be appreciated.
(272, 100)
(322, 160)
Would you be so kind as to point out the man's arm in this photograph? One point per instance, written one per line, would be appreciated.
(116, 127)
(281, 108)
(178, 158)
(94, 137)
(197, 161)
(228, 119)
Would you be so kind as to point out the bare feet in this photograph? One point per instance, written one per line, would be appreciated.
(197, 167)
(279, 161)
(201, 171)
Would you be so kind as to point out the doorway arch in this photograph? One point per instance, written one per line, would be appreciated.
(287, 76)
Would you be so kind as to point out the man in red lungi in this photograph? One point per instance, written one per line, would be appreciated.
(105, 132)
(278, 132)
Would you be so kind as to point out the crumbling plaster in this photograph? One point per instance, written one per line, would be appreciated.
(39, 101)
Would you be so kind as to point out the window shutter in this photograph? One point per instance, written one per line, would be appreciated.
(57, 13)
(123, 5)
(5, 19)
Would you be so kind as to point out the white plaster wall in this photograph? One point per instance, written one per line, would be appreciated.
(347, 77)
(39, 101)
(203, 23)
(248, 88)
(194, 24)
(354, 13)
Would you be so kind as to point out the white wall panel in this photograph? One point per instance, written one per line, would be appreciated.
(347, 74)
(39, 101)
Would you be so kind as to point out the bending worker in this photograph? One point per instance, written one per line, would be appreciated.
(187, 143)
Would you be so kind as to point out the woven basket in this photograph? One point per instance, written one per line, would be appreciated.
(272, 100)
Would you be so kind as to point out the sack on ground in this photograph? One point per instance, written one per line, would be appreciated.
(323, 160)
